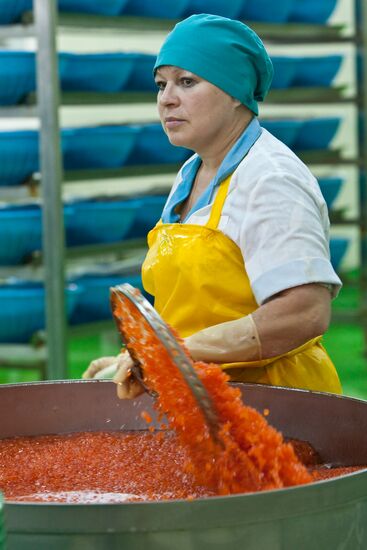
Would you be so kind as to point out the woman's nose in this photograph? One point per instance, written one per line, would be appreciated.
(168, 95)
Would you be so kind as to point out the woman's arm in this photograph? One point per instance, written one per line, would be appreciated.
(293, 317)
(286, 321)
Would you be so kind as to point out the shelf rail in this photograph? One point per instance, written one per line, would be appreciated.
(51, 168)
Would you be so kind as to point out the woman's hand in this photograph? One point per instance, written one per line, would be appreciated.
(104, 367)
(118, 368)
(128, 386)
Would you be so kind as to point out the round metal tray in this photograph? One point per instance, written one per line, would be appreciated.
(325, 515)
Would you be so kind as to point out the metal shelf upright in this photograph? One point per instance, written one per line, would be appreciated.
(51, 169)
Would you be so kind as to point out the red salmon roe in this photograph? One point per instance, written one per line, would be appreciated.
(253, 455)
(105, 467)
(141, 465)
(146, 416)
(327, 472)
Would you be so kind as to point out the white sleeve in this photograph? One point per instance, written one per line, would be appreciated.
(285, 235)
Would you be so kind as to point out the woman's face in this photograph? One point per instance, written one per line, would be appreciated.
(194, 113)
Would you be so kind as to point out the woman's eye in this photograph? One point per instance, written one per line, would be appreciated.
(187, 82)
(160, 85)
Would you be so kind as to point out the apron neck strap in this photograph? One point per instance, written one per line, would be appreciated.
(218, 203)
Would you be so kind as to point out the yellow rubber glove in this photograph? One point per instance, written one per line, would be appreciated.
(230, 342)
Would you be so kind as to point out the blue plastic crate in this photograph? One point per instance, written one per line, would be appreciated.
(114, 72)
(167, 9)
(330, 188)
(285, 130)
(106, 72)
(101, 7)
(18, 156)
(97, 147)
(230, 9)
(311, 11)
(316, 71)
(101, 72)
(153, 147)
(83, 148)
(266, 10)
(91, 222)
(316, 133)
(22, 310)
(284, 71)
(141, 77)
(11, 10)
(94, 299)
(338, 249)
(17, 76)
(20, 233)
(148, 215)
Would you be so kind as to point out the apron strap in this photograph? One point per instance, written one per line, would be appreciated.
(218, 203)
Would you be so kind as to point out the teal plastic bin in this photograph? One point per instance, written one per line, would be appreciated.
(167, 9)
(266, 10)
(100, 221)
(230, 9)
(311, 11)
(330, 188)
(11, 10)
(338, 249)
(99, 72)
(100, 7)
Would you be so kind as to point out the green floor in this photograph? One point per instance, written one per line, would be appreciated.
(344, 342)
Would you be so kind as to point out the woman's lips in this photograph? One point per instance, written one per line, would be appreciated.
(173, 122)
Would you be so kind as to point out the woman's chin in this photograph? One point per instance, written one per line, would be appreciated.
(178, 141)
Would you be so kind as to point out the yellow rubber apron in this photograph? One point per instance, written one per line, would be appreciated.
(198, 279)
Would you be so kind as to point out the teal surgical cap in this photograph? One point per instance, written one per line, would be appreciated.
(223, 51)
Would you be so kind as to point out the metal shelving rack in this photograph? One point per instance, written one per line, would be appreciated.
(53, 234)
(360, 316)
(321, 34)
(43, 24)
(51, 169)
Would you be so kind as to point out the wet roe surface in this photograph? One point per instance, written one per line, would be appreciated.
(107, 467)
(141, 464)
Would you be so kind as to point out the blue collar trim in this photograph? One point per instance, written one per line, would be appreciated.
(228, 166)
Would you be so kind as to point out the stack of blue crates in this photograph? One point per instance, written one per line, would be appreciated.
(282, 11)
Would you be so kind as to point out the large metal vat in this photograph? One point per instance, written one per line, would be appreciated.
(325, 515)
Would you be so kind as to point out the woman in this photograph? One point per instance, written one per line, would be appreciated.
(239, 263)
